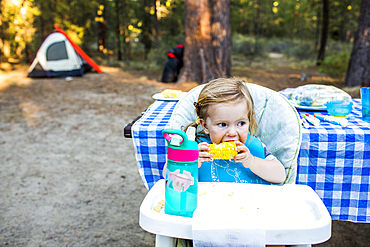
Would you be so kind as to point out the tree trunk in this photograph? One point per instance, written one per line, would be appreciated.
(317, 31)
(342, 26)
(118, 31)
(358, 73)
(208, 40)
(257, 18)
(221, 28)
(256, 26)
(157, 34)
(324, 32)
(102, 27)
(146, 31)
(2, 36)
(126, 34)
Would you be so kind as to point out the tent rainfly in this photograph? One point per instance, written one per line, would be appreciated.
(59, 56)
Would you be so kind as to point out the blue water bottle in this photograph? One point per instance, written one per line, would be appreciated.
(181, 194)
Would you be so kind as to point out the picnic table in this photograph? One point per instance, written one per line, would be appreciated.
(333, 160)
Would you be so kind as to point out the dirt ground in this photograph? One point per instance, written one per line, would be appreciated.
(68, 177)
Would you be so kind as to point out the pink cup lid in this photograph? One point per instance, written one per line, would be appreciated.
(182, 155)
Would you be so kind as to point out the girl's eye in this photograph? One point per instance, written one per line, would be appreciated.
(221, 124)
(242, 123)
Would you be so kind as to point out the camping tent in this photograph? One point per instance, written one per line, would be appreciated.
(59, 56)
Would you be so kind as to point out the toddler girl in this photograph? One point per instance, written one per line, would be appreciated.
(225, 110)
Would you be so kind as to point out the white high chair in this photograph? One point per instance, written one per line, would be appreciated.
(279, 128)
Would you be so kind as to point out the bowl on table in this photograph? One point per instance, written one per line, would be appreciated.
(339, 108)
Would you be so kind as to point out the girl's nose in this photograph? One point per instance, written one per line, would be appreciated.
(231, 131)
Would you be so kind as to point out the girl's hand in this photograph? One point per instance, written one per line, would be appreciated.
(243, 156)
(203, 153)
(270, 170)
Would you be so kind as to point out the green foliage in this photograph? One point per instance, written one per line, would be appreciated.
(290, 27)
(142, 65)
(159, 55)
(337, 46)
(247, 45)
(336, 64)
(337, 58)
(16, 27)
(74, 17)
(303, 64)
(172, 20)
(294, 18)
(278, 45)
(301, 50)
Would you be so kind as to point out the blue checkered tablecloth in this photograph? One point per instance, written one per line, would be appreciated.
(149, 143)
(333, 160)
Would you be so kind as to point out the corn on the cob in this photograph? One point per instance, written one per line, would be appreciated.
(171, 93)
(224, 150)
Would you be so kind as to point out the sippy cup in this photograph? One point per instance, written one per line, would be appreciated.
(182, 173)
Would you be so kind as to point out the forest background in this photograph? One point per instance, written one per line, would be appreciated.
(137, 34)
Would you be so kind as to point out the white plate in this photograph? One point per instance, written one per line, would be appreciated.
(159, 96)
(310, 108)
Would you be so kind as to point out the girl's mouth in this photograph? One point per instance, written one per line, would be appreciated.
(230, 140)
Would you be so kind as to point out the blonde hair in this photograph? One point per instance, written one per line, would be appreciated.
(226, 90)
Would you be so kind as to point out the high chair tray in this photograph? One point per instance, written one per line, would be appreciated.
(289, 214)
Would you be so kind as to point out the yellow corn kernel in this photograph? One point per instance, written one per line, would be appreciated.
(171, 93)
(159, 206)
(224, 150)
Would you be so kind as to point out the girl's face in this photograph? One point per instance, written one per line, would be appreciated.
(227, 122)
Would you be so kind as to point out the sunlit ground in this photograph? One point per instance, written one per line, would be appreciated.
(14, 77)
